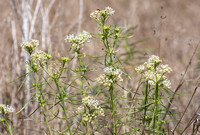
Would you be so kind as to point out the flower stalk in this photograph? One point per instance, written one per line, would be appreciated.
(42, 102)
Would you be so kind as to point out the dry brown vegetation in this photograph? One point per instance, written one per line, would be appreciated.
(171, 26)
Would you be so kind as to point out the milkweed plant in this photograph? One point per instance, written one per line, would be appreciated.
(98, 105)
(5, 110)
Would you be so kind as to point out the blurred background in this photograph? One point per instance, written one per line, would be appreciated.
(167, 28)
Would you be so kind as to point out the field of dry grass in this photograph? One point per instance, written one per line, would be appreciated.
(171, 27)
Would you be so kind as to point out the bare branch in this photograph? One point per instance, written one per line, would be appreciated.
(13, 4)
(34, 18)
(80, 16)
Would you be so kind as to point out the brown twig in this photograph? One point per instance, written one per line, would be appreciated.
(181, 81)
(186, 107)
(191, 120)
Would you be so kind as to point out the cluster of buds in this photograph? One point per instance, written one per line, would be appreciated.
(90, 109)
(39, 58)
(30, 46)
(65, 59)
(77, 41)
(97, 15)
(5, 109)
(55, 69)
(110, 75)
(154, 72)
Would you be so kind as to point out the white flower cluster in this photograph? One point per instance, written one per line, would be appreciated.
(30, 46)
(4, 109)
(163, 69)
(154, 59)
(90, 109)
(110, 76)
(90, 101)
(140, 68)
(39, 58)
(109, 11)
(97, 14)
(167, 83)
(154, 72)
(79, 40)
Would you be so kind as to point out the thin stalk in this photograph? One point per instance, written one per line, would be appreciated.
(63, 104)
(145, 104)
(155, 115)
(186, 108)
(42, 104)
(82, 74)
(110, 56)
(113, 109)
(7, 126)
(87, 128)
(46, 120)
(110, 62)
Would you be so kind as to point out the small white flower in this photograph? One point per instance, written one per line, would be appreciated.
(164, 69)
(90, 109)
(154, 72)
(90, 101)
(140, 69)
(152, 61)
(98, 14)
(80, 109)
(79, 40)
(39, 58)
(69, 38)
(35, 42)
(30, 46)
(110, 76)
(95, 15)
(6, 109)
(109, 11)
(167, 83)
(149, 75)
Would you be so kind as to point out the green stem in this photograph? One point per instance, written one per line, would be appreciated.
(113, 109)
(110, 56)
(155, 115)
(46, 120)
(110, 62)
(82, 73)
(145, 105)
(87, 128)
(7, 126)
(42, 104)
(63, 104)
